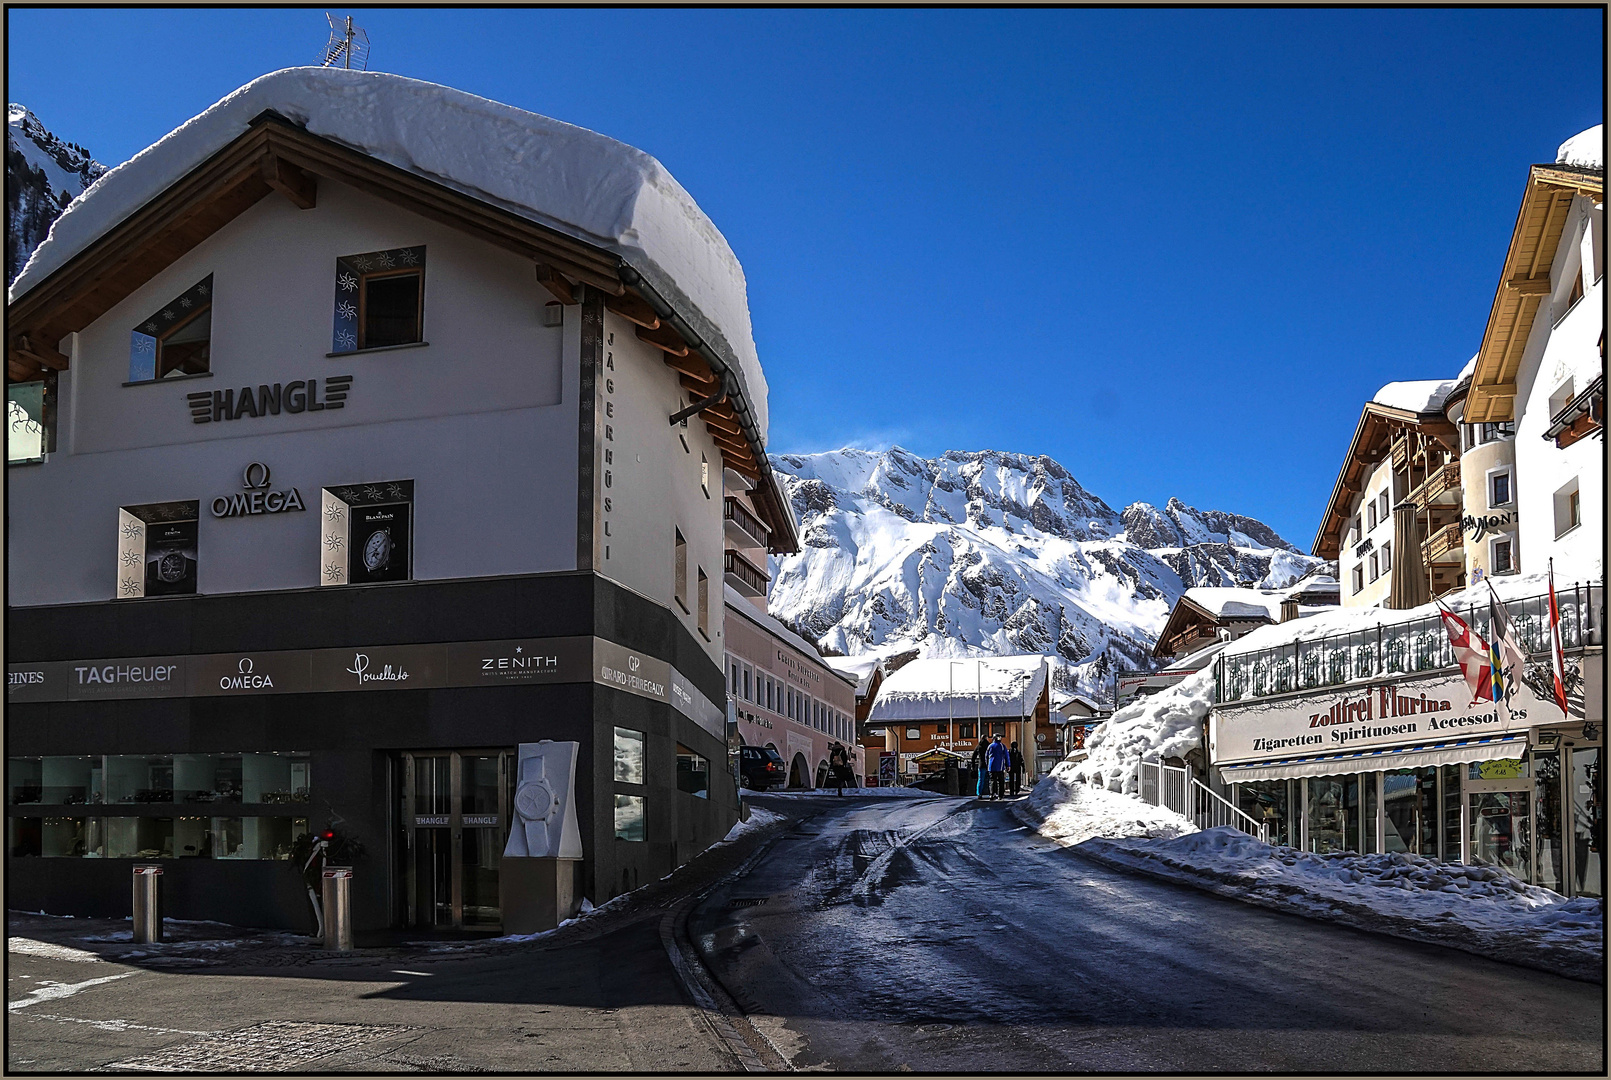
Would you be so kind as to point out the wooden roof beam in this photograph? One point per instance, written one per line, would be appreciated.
(665, 339)
(634, 309)
(20, 370)
(1529, 286)
(555, 283)
(43, 355)
(299, 187)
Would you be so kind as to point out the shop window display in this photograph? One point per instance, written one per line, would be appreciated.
(1270, 802)
(1549, 853)
(1333, 813)
(1588, 820)
(1501, 830)
(1410, 811)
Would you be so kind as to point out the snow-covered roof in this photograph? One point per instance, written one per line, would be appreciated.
(1585, 149)
(568, 178)
(1232, 603)
(977, 686)
(1420, 396)
(859, 668)
(1194, 661)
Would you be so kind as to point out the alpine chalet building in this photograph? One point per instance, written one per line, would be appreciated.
(365, 430)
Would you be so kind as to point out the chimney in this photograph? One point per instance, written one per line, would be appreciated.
(1289, 609)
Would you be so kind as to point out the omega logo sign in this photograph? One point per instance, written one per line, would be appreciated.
(245, 680)
(257, 498)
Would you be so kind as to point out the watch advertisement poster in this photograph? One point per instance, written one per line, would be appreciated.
(170, 558)
(378, 543)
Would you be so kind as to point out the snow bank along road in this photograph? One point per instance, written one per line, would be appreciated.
(943, 935)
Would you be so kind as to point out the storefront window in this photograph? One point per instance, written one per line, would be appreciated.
(1410, 811)
(1451, 813)
(629, 814)
(200, 778)
(1549, 855)
(693, 773)
(22, 837)
(479, 785)
(137, 778)
(1367, 821)
(1501, 828)
(275, 778)
(139, 838)
(1270, 802)
(1588, 820)
(70, 838)
(1325, 813)
(193, 838)
(629, 754)
(481, 850)
(23, 781)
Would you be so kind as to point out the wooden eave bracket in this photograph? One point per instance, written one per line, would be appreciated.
(301, 188)
(556, 283)
(26, 355)
(1529, 286)
(665, 339)
(634, 309)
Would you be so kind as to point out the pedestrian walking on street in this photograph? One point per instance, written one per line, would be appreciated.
(980, 758)
(997, 758)
(839, 766)
(1016, 767)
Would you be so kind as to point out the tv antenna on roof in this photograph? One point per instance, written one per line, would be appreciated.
(348, 46)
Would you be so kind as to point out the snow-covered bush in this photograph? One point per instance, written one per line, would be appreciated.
(1162, 725)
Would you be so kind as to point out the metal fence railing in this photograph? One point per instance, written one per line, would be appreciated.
(1173, 787)
(1420, 645)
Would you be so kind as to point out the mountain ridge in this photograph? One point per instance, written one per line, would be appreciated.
(43, 174)
(992, 552)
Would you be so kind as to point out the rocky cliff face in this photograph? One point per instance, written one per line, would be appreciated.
(43, 174)
(989, 553)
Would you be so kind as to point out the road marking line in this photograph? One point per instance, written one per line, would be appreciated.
(54, 991)
(115, 1025)
(50, 951)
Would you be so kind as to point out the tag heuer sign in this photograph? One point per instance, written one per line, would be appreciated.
(257, 498)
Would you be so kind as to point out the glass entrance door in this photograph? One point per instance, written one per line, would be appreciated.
(455, 822)
(1501, 832)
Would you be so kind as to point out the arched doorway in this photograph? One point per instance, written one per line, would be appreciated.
(799, 772)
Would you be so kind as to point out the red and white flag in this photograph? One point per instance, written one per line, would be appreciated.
(1471, 653)
(1557, 658)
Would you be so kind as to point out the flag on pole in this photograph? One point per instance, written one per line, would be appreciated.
(1557, 658)
(1504, 651)
(1471, 653)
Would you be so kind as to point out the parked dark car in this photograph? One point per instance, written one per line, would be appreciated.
(760, 767)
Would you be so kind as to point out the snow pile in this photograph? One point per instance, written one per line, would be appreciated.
(1162, 725)
(565, 177)
(760, 818)
(858, 792)
(1422, 396)
(1064, 808)
(1586, 149)
(1475, 908)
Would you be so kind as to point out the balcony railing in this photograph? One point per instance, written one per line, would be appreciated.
(1407, 648)
(743, 575)
(741, 526)
(1444, 545)
(1443, 481)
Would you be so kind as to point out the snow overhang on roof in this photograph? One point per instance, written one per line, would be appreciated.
(625, 223)
(1006, 686)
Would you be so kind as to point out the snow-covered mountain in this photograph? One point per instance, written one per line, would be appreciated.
(989, 553)
(43, 174)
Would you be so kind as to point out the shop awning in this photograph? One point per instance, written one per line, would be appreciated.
(1513, 745)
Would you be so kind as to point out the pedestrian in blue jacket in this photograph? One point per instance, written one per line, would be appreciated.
(980, 753)
(997, 758)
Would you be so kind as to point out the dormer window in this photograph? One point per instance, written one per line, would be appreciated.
(380, 300)
(177, 340)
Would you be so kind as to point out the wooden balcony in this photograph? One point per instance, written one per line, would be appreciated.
(742, 527)
(1444, 546)
(743, 575)
(1441, 486)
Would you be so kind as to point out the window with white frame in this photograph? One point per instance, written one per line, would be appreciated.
(1375, 569)
(1562, 398)
(1501, 490)
(1358, 581)
(1370, 514)
(1568, 508)
(1502, 555)
(1387, 557)
(680, 571)
(1384, 503)
(177, 340)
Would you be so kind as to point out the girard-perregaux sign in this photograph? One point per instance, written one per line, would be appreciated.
(257, 498)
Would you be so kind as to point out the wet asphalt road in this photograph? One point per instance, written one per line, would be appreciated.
(942, 935)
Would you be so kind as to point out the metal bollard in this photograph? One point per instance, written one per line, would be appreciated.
(338, 908)
(147, 904)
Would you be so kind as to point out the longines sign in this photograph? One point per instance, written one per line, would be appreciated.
(519, 662)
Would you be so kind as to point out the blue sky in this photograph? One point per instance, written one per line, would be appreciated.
(1174, 250)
